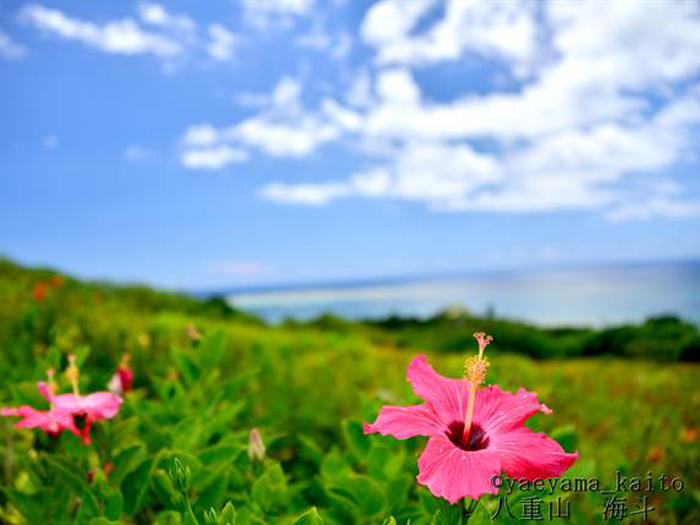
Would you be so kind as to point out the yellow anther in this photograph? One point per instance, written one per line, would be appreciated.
(475, 369)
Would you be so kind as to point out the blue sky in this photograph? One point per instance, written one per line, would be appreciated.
(197, 145)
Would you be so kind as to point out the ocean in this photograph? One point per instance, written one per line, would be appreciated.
(590, 296)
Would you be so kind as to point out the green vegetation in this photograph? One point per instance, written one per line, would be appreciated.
(178, 451)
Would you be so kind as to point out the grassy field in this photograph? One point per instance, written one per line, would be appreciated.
(205, 375)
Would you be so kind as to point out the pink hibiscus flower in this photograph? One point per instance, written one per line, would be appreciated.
(474, 434)
(82, 409)
(51, 422)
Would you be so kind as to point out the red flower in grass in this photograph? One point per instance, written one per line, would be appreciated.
(40, 290)
(123, 378)
(475, 434)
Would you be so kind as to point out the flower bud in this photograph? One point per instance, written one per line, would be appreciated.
(256, 447)
(180, 475)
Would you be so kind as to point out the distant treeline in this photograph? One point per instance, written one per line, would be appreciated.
(662, 338)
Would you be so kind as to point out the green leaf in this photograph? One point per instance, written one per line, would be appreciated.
(334, 466)
(214, 491)
(567, 436)
(357, 440)
(397, 491)
(134, 486)
(188, 370)
(88, 507)
(212, 349)
(228, 515)
(114, 504)
(219, 454)
(163, 488)
(127, 460)
(310, 517)
(67, 474)
(364, 492)
(270, 489)
(102, 521)
(481, 515)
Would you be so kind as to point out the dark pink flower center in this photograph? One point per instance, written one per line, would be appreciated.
(79, 420)
(478, 439)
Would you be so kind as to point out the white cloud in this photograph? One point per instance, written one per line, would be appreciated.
(397, 89)
(336, 44)
(157, 15)
(359, 93)
(222, 42)
(606, 100)
(283, 129)
(389, 21)
(656, 207)
(494, 29)
(264, 14)
(309, 194)
(201, 135)
(280, 138)
(9, 48)
(213, 158)
(156, 31)
(427, 172)
(121, 36)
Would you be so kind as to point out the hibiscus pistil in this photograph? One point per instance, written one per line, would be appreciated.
(72, 374)
(475, 369)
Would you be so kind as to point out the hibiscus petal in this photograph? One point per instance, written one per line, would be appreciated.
(530, 455)
(453, 473)
(102, 405)
(446, 395)
(406, 422)
(497, 410)
(21, 411)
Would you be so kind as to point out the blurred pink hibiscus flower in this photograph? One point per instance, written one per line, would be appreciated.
(72, 412)
(474, 434)
(83, 409)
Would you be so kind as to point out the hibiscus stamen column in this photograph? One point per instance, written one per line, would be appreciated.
(51, 383)
(72, 373)
(475, 368)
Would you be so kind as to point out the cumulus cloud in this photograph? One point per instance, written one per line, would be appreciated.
(155, 31)
(213, 158)
(502, 29)
(284, 128)
(121, 36)
(222, 42)
(602, 100)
